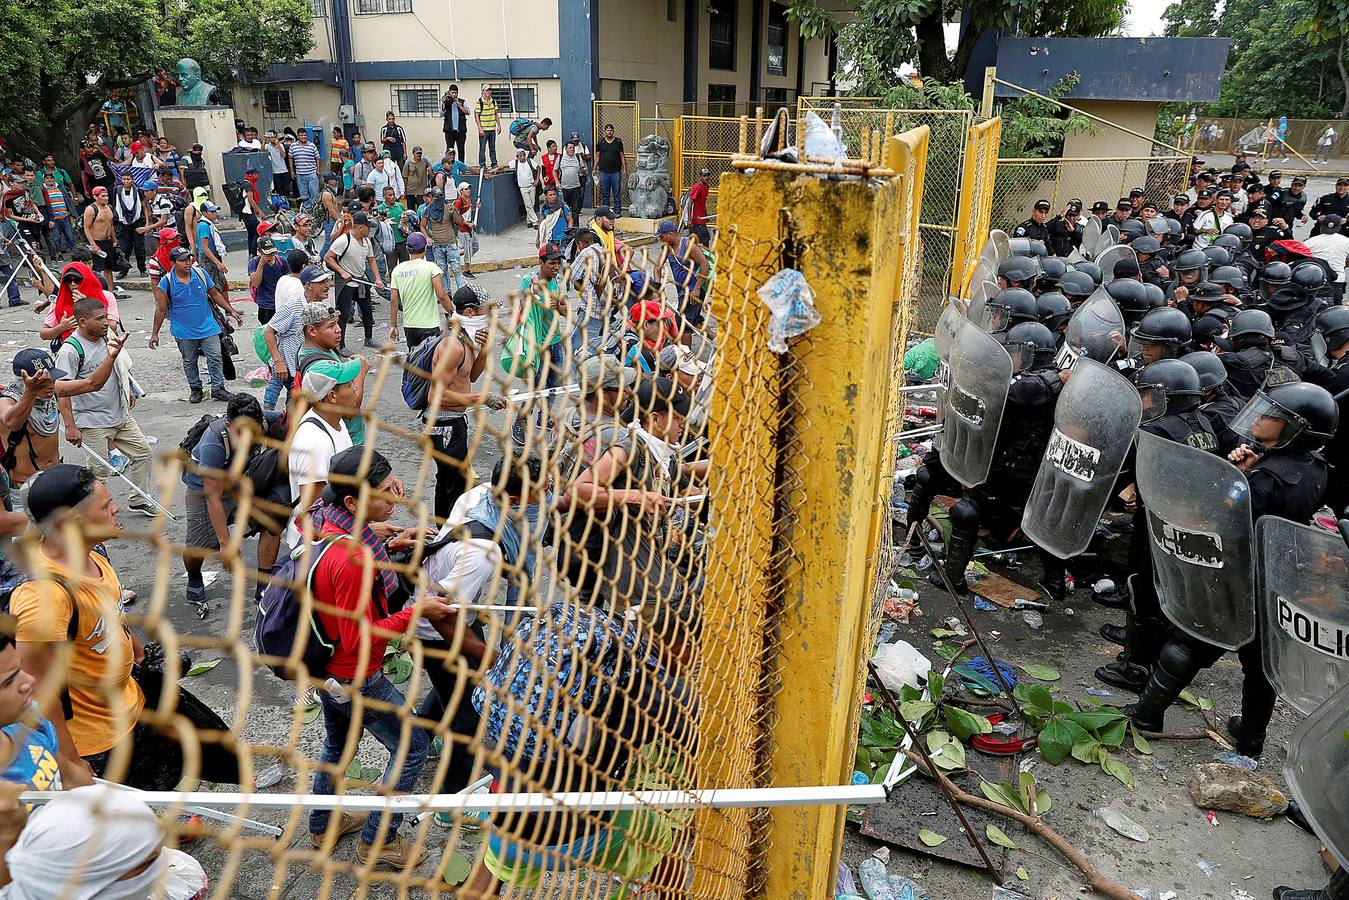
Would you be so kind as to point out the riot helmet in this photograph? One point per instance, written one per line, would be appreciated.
(1177, 230)
(1230, 276)
(1010, 307)
(1230, 242)
(1051, 270)
(1031, 346)
(1130, 230)
(1168, 386)
(1296, 416)
(1217, 256)
(1190, 267)
(1332, 328)
(1019, 271)
(1212, 372)
(1250, 328)
(1275, 276)
(1160, 334)
(1155, 296)
(1090, 269)
(1145, 244)
(1309, 278)
(1130, 297)
(1028, 247)
(1242, 232)
(1053, 309)
(1076, 286)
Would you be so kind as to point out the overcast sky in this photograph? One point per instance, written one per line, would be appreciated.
(1144, 17)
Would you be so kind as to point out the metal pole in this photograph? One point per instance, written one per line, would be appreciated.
(113, 469)
(990, 81)
(1061, 104)
(205, 812)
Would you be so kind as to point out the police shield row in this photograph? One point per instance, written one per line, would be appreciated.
(1206, 407)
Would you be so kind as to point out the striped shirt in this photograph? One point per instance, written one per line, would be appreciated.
(57, 207)
(487, 115)
(305, 157)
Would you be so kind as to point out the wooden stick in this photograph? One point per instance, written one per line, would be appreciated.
(1098, 882)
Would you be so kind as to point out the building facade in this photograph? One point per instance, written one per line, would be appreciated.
(539, 57)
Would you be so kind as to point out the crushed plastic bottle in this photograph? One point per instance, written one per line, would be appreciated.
(1002, 893)
(875, 880)
(1033, 619)
(270, 776)
(887, 631)
(905, 889)
(1122, 824)
(792, 303)
(1232, 758)
(983, 604)
(1207, 867)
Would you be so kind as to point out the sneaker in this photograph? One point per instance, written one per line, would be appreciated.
(373, 345)
(19, 302)
(196, 597)
(120, 292)
(147, 511)
(222, 395)
(397, 853)
(349, 824)
(196, 396)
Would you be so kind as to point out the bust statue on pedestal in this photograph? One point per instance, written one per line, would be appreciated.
(192, 91)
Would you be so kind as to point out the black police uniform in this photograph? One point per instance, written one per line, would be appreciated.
(1290, 206)
(1148, 269)
(1263, 237)
(1220, 412)
(1248, 369)
(1331, 204)
(1062, 239)
(1248, 265)
(1295, 326)
(1036, 231)
(1334, 378)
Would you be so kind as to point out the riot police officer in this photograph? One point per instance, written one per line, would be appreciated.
(1160, 334)
(1219, 404)
(1090, 269)
(1076, 285)
(1335, 203)
(1288, 423)
(999, 501)
(1255, 359)
(1274, 277)
(1034, 227)
(1009, 308)
(1150, 267)
(1232, 281)
(1204, 299)
(1179, 205)
(1263, 233)
(1295, 306)
(1065, 231)
(1018, 272)
(1190, 268)
(1130, 297)
(1331, 371)
(1054, 310)
(1337, 889)
(1051, 270)
(1171, 392)
(1290, 208)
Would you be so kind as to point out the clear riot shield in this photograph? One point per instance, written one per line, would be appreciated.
(1318, 769)
(983, 272)
(944, 335)
(1302, 591)
(1094, 424)
(1109, 257)
(1319, 350)
(1199, 519)
(1095, 330)
(1091, 236)
(997, 248)
(980, 375)
(980, 293)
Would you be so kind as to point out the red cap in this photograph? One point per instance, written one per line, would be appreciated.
(99, 190)
(136, 146)
(166, 234)
(649, 311)
(265, 228)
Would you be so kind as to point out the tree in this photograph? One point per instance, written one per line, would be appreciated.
(888, 33)
(65, 57)
(1327, 26)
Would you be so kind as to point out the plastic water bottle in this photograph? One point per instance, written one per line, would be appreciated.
(875, 880)
(1121, 823)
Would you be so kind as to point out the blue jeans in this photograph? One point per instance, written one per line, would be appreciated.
(387, 728)
(447, 257)
(561, 357)
(487, 140)
(611, 186)
(273, 392)
(62, 235)
(593, 329)
(308, 186)
(192, 350)
(327, 238)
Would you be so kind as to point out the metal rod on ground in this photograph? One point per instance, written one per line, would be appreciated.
(113, 469)
(927, 760)
(965, 614)
(926, 431)
(1003, 550)
(205, 812)
(918, 388)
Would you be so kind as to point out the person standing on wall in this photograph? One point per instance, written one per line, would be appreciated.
(456, 120)
(393, 139)
(489, 126)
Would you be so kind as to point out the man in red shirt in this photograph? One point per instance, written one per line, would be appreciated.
(348, 576)
(698, 213)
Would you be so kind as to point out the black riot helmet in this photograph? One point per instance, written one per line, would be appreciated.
(1296, 416)
(1031, 346)
(1230, 276)
(1242, 232)
(1332, 324)
(1051, 270)
(1250, 328)
(1028, 247)
(1130, 297)
(1191, 263)
(1010, 308)
(1309, 278)
(1090, 269)
(1168, 386)
(1076, 286)
(1217, 256)
(1053, 309)
(1229, 242)
(1177, 230)
(1212, 372)
(1145, 244)
(1155, 296)
(1160, 334)
(1275, 276)
(1019, 271)
(1130, 230)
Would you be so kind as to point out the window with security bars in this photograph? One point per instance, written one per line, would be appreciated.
(524, 103)
(416, 99)
(382, 7)
(277, 102)
(318, 9)
(627, 90)
(777, 39)
(721, 35)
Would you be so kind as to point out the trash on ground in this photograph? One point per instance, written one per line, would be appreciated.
(900, 610)
(899, 664)
(1235, 789)
(792, 303)
(887, 631)
(956, 625)
(1206, 867)
(1233, 758)
(984, 605)
(822, 144)
(1002, 893)
(981, 666)
(1154, 894)
(1212, 818)
(1033, 619)
(1239, 894)
(1122, 824)
(1100, 692)
(843, 882)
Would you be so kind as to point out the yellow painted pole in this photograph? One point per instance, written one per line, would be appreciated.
(990, 84)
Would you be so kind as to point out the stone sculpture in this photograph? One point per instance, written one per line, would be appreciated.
(649, 187)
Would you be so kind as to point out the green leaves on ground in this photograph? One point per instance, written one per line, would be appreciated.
(931, 838)
(998, 836)
(358, 775)
(202, 668)
(947, 753)
(964, 724)
(1039, 672)
(1019, 797)
(398, 666)
(1089, 735)
(1190, 698)
(457, 868)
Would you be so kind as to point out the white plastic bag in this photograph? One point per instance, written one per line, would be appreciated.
(899, 664)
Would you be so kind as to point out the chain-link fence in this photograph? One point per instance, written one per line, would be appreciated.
(580, 581)
(626, 117)
(1266, 138)
(976, 201)
(1021, 182)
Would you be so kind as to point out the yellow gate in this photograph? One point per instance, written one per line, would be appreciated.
(976, 201)
(626, 117)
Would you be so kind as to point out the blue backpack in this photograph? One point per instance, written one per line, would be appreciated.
(416, 386)
(281, 622)
(520, 126)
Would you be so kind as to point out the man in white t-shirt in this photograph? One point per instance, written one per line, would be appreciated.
(320, 434)
(526, 180)
(1332, 246)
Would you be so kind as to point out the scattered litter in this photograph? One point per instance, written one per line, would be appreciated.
(1232, 758)
(792, 303)
(208, 578)
(822, 143)
(1026, 764)
(955, 625)
(887, 631)
(844, 883)
(1154, 894)
(899, 664)
(975, 572)
(1122, 824)
(980, 666)
(1007, 729)
(924, 564)
(1021, 603)
(1100, 692)
(1239, 894)
(1068, 611)
(1212, 818)
(1002, 893)
(900, 610)
(1206, 867)
(875, 880)
(1235, 789)
(1033, 619)
(270, 776)
(984, 605)
(11, 343)
(151, 439)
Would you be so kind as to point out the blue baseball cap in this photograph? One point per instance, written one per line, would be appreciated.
(315, 273)
(666, 227)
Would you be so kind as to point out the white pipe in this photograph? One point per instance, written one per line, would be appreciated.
(205, 812)
(113, 469)
(587, 801)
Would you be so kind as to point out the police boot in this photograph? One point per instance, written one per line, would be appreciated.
(1243, 741)
(1117, 634)
(920, 499)
(1175, 669)
(1054, 583)
(959, 549)
(1338, 889)
(1111, 593)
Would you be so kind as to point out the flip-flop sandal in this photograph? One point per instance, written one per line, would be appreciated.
(1000, 744)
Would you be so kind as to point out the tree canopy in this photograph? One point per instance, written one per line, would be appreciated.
(64, 57)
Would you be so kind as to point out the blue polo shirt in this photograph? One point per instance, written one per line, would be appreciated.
(190, 316)
(266, 292)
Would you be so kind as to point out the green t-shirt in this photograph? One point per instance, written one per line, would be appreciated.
(395, 214)
(415, 282)
(542, 319)
(356, 426)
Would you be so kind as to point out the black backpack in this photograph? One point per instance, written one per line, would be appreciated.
(281, 623)
(234, 196)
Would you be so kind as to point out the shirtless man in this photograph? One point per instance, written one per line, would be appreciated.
(29, 414)
(458, 361)
(101, 234)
